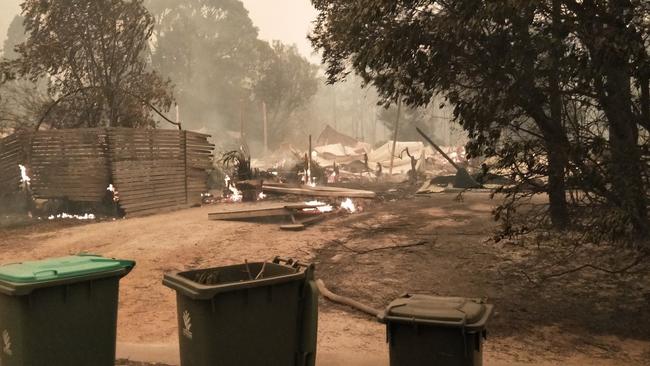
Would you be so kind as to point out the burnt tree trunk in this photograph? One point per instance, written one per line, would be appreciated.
(556, 141)
(535, 99)
(626, 166)
(616, 99)
(557, 163)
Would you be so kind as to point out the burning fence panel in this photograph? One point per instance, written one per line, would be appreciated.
(152, 169)
(12, 154)
(156, 169)
(198, 160)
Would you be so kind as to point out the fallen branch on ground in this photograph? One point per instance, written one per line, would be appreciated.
(416, 244)
(345, 300)
(622, 270)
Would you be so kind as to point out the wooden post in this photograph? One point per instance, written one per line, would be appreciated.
(310, 164)
(362, 120)
(392, 154)
(266, 134)
(183, 137)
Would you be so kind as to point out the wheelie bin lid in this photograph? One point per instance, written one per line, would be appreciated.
(22, 278)
(438, 311)
(236, 277)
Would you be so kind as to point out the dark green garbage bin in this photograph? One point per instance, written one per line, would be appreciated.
(60, 311)
(430, 330)
(249, 314)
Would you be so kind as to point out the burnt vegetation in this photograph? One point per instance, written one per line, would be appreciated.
(553, 93)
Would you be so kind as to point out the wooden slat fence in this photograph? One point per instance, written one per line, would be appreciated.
(70, 164)
(152, 169)
(148, 169)
(198, 160)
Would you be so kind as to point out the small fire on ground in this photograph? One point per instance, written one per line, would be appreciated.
(69, 216)
(319, 206)
(349, 205)
(346, 205)
(235, 194)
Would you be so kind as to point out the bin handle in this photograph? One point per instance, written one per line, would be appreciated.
(289, 261)
(45, 273)
(460, 323)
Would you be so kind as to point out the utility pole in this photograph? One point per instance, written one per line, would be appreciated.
(334, 97)
(374, 125)
(266, 132)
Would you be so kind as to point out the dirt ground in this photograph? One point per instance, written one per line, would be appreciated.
(584, 318)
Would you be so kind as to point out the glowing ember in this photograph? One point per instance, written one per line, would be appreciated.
(261, 196)
(324, 209)
(24, 178)
(68, 216)
(315, 203)
(236, 195)
(349, 206)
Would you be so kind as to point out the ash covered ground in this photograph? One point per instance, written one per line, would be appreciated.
(585, 317)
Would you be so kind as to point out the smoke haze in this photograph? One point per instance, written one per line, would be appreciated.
(286, 20)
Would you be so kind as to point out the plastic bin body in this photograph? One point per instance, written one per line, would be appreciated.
(62, 320)
(237, 321)
(415, 345)
(436, 331)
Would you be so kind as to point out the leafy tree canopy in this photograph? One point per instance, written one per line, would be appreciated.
(93, 55)
(532, 82)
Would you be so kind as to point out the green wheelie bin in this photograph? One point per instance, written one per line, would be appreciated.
(60, 311)
(424, 330)
(253, 314)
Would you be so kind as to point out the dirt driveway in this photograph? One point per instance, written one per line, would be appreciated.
(533, 325)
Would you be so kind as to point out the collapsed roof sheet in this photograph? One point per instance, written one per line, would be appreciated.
(330, 136)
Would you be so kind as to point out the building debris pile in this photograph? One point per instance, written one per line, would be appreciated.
(337, 158)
